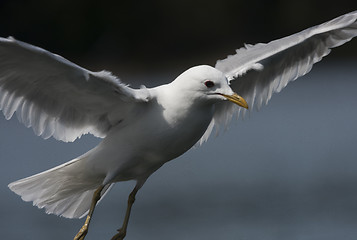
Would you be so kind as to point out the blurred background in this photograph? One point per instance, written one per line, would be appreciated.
(286, 172)
(136, 37)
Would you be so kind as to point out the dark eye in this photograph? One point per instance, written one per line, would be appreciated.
(209, 84)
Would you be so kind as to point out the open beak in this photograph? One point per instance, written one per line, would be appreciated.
(235, 98)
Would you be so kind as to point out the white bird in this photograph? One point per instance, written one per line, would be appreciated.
(141, 128)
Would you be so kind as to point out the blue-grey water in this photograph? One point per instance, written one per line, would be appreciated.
(288, 171)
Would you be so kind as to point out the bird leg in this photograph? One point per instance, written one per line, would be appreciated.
(122, 231)
(84, 230)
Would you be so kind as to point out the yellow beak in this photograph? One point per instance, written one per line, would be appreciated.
(235, 98)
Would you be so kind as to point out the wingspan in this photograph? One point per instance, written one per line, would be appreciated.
(257, 71)
(58, 98)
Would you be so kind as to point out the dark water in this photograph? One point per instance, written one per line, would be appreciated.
(286, 172)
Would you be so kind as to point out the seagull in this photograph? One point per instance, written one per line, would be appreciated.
(142, 128)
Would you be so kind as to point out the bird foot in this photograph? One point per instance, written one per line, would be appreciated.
(82, 233)
(120, 235)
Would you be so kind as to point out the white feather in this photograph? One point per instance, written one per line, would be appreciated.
(63, 190)
(257, 71)
(58, 98)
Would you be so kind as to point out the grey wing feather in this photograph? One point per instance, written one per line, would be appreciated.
(58, 98)
(257, 71)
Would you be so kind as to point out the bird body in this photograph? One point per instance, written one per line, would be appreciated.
(158, 134)
(141, 128)
(155, 137)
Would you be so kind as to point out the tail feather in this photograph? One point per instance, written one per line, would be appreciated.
(62, 190)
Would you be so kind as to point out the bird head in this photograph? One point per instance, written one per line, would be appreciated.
(207, 84)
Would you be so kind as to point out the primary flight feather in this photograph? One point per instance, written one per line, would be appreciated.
(141, 128)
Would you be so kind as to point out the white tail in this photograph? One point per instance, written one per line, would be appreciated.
(62, 190)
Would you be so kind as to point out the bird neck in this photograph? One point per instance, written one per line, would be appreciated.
(179, 108)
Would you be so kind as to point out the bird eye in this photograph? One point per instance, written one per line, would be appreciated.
(209, 84)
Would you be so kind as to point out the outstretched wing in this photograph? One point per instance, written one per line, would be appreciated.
(257, 71)
(58, 98)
